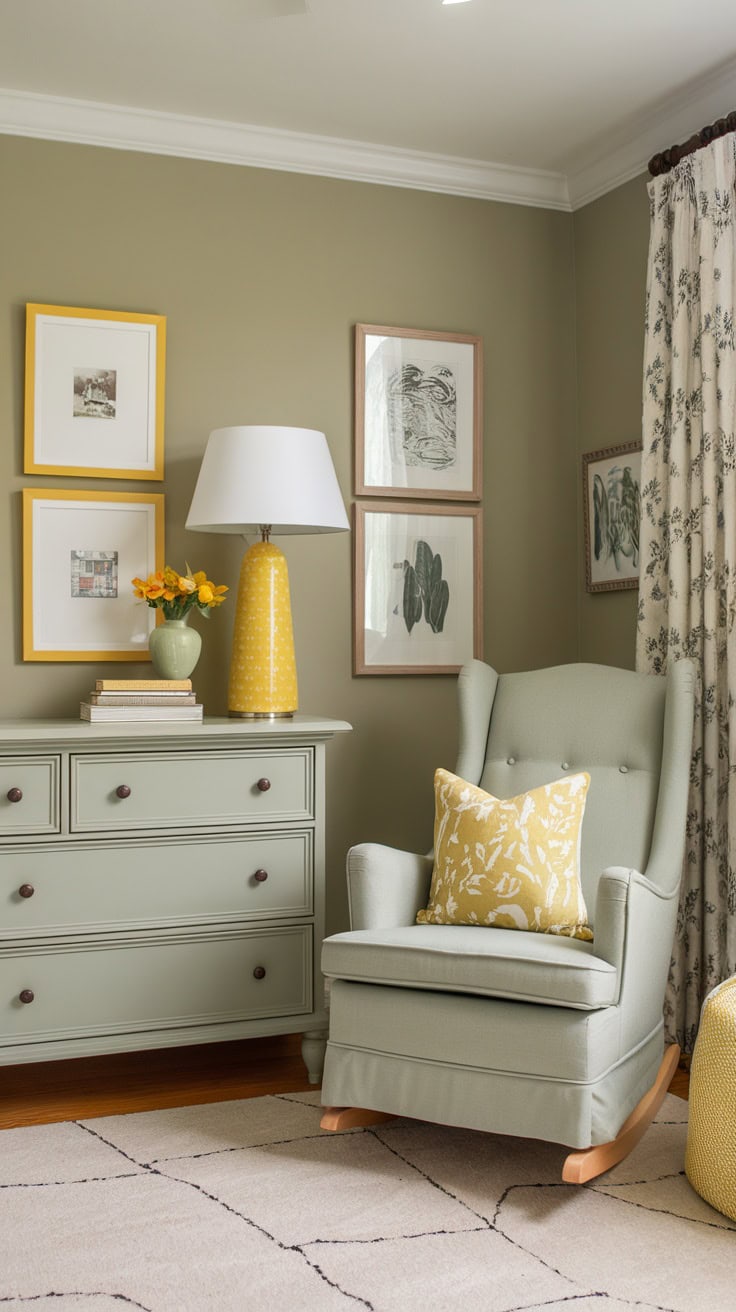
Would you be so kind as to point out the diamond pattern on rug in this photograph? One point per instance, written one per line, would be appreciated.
(328, 1188)
(247, 1204)
(151, 1240)
(627, 1250)
(470, 1270)
(207, 1128)
(42, 1154)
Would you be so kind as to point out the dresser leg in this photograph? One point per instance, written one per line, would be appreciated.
(314, 1043)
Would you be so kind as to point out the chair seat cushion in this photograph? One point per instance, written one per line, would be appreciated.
(515, 964)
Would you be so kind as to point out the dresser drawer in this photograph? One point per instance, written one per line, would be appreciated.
(29, 795)
(89, 886)
(170, 790)
(171, 980)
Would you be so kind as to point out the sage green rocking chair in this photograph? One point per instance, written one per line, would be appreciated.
(506, 1030)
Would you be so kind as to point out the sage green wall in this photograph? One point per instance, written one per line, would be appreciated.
(611, 244)
(262, 276)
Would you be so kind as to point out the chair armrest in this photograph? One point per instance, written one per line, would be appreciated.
(611, 908)
(386, 887)
(634, 929)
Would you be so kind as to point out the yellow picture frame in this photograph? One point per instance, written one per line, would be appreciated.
(81, 551)
(94, 393)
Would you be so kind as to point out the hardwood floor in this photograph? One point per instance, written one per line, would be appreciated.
(680, 1083)
(169, 1077)
(141, 1081)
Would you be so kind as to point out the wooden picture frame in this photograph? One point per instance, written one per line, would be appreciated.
(81, 551)
(417, 589)
(418, 414)
(94, 393)
(611, 514)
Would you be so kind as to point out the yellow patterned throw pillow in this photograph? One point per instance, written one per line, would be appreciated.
(514, 863)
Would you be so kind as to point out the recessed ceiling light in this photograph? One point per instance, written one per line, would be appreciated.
(454, 2)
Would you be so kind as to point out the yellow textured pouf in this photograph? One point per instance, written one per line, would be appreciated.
(710, 1157)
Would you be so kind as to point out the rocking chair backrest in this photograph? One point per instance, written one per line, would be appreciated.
(545, 724)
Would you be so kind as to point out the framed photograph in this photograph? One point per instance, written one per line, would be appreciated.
(94, 393)
(81, 551)
(611, 510)
(418, 408)
(418, 589)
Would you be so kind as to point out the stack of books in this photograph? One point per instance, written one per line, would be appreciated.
(141, 699)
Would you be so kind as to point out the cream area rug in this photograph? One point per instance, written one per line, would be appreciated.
(246, 1205)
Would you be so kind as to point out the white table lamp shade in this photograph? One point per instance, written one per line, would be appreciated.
(281, 480)
(260, 475)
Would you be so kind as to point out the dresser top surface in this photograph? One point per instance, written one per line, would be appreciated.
(246, 732)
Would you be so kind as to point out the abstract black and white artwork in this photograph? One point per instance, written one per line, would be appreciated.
(421, 412)
(418, 589)
(418, 414)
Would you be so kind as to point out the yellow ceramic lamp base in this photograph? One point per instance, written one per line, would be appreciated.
(263, 664)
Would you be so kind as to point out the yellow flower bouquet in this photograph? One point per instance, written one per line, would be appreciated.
(176, 594)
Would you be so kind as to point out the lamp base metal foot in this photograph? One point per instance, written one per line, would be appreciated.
(261, 715)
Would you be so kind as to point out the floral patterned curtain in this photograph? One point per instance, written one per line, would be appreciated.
(687, 597)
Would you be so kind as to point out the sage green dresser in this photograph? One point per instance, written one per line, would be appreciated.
(161, 884)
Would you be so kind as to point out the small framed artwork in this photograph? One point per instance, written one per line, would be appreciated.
(418, 590)
(611, 511)
(81, 551)
(94, 404)
(418, 407)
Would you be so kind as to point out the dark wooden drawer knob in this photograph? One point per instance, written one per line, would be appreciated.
(15, 794)
(122, 791)
(261, 876)
(26, 890)
(264, 785)
(26, 995)
(259, 972)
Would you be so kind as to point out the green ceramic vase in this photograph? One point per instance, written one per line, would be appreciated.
(174, 649)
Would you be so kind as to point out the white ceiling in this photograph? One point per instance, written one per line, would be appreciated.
(547, 102)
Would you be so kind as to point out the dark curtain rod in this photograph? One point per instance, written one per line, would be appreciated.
(667, 159)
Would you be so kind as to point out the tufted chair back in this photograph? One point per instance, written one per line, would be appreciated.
(547, 723)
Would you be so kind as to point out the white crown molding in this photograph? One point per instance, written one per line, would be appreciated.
(618, 158)
(93, 124)
(672, 121)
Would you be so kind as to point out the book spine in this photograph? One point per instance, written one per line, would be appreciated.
(121, 714)
(168, 694)
(142, 699)
(143, 685)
